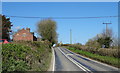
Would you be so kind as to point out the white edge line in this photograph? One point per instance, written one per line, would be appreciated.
(74, 61)
(95, 61)
(53, 59)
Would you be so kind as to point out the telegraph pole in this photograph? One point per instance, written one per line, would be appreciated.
(107, 27)
(70, 36)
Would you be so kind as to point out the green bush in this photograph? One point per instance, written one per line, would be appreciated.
(14, 57)
(26, 56)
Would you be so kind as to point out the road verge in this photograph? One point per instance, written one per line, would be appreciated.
(106, 60)
(52, 64)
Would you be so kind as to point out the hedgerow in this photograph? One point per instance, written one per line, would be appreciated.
(101, 51)
(25, 56)
(106, 59)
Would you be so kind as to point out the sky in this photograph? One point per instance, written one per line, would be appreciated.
(59, 0)
(82, 29)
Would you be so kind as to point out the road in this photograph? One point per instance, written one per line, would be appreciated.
(65, 60)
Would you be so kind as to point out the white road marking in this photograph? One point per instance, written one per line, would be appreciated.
(53, 60)
(69, 54)
(76, 63)
(95, 60)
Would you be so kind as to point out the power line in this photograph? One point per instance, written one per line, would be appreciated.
(61, 17)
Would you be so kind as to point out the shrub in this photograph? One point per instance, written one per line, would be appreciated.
(106, 59)
(14, 57)
(26, 56)
(108, 52)
(101, 51)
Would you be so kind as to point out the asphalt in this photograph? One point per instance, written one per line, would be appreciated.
(64, 64)
(65, 60)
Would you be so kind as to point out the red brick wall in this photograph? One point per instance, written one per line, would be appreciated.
(23, 35)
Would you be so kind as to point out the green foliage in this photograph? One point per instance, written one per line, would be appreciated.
(47, 30)
(14, 57)
(105, 41)
(26, 56)
(101, 51)
(6, 27)
(106, 59)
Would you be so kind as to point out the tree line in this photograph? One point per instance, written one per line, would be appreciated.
(46, 28)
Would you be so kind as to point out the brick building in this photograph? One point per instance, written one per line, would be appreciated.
(24, 34)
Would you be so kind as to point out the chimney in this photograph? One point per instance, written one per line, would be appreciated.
(28, 29)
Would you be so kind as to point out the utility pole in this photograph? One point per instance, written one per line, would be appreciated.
(70, 36)
(107, 28)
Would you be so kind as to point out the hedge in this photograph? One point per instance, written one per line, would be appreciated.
(101, 51)
(26, 56)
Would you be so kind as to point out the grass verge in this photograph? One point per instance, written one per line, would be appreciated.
(105, 59)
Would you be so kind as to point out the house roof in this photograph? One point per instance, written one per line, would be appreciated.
(25, 30)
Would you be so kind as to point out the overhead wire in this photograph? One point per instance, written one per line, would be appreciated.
(60, 17)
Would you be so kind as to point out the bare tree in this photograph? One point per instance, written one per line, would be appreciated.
(108, 33)
(115, 41)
